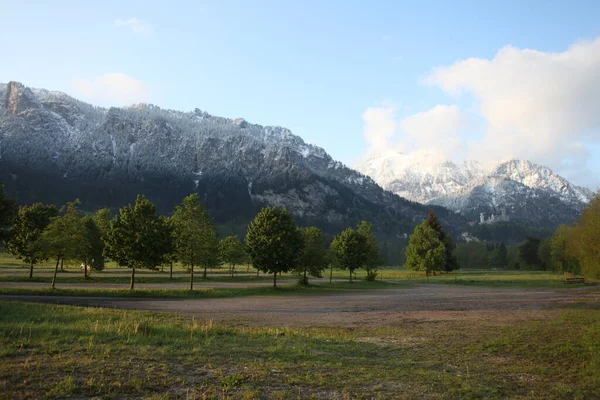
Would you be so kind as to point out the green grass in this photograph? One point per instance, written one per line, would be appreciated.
(202, 293)
(49, 351)
(125, 279)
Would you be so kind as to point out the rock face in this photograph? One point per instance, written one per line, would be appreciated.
(521, 190)
(54, 148)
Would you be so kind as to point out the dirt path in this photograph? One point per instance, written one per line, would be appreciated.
(368, 307)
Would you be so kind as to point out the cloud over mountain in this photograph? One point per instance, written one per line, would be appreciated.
(533, 104)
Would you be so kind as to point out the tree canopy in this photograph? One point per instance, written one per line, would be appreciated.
(196, 241)
(425, 250)
(274, 242)
(232, 252)
(24, 235)
(138, 238)
(313, 257)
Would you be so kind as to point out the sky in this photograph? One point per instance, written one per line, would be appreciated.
(437, 79)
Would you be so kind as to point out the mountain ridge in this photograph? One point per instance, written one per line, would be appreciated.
(469, 188)
(54, 148)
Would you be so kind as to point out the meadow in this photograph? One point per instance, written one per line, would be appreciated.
(467, 334)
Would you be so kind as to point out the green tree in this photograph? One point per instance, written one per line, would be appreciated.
(24, 235)
(372, 254)
(103, 218)
(545, 255)
(563, 250)
(63, 237)
(196, 242)
(425, 251)
(349, 250)
(498, 257)
(313, 257)
(171, 251)
(232, 252)
(138, 237)
(528, 252)
(91, 248)
(451, 263)
(586, 239)
(273, 241)
(8, 212)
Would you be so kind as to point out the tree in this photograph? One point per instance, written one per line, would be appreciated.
(563, 251)
(313, 257)
(8, 212)
(528, 252)
(545, 255)
(349, 250)
(171, 256)
(498, 257)
(91, 248)
(138, 238)
(196, 242)
(586, 239)
(372, 255)
(451, 261)
(103, 218)
(425, 251)
(232, 252)
(63, 237)
(24, 235)
(273, 241)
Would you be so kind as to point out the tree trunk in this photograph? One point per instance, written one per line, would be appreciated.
(85, 267)
(350, 276)
(132, 278)
(162, 267)
(232, 270)
(31, 271)
(62, 265)
(330, 273)
(171, 273)
(257, 271)
(192, 277)
(204, 271)
(55, 271)
(305, 280)
(275, 280)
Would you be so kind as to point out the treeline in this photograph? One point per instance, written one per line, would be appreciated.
(138, 238)
(572, 249)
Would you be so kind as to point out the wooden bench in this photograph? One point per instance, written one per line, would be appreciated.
(574, 280)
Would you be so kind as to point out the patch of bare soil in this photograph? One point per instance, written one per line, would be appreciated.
(423, 304)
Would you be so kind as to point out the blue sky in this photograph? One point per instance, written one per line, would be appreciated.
(318, 67)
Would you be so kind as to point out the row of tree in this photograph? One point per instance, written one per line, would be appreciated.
(137, 237)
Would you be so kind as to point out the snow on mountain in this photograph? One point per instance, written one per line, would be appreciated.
(519, 187)
(54, 148)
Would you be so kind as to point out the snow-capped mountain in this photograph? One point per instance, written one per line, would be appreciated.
(522, 190)
(54, 148)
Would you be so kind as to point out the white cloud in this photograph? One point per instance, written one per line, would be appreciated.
(112, 89)
(537, 105)
(433, 132)
(137, 26)
(379, 126)
(436, 128)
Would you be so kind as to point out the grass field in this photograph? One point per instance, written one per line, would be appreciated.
(49, 351)
(203, 292)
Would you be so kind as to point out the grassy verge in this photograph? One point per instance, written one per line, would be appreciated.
(201, 293)
(49, 351)
(125, 279)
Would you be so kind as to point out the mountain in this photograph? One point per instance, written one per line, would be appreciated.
(54, 148)
(517, 190)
